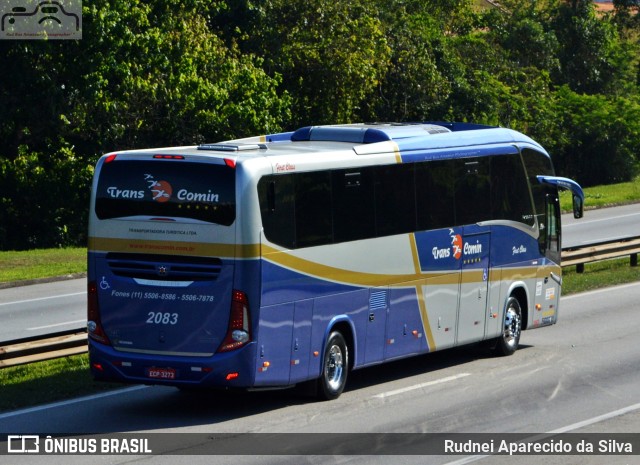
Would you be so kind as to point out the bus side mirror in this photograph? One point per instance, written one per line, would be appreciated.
(569, 185)
(578, 207)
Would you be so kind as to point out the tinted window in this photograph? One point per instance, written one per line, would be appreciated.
(510, 199)
(313, 213)
(353, 213)
(473, 189)
(537, 164)
(435, 206)
(395, 200)
(316, 208)
(199, 191)
(277, 207)
(544, 196)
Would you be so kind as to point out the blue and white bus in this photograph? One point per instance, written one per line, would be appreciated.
(296, 257)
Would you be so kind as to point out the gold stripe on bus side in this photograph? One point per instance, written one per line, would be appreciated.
(414, 254)
(425, 318)
(518, 274)
(330, 273)
(422, 304)
(359, 278)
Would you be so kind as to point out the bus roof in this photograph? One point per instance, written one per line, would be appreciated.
(405, 139)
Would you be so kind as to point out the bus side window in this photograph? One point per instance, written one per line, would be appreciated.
(435, 206)
(473, 191)
(353, 208)
(510, 199)
(277, 209)
(313, 209)
(395, 199)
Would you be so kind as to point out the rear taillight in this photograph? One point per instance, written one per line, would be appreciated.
(239, 332)
(94, 325)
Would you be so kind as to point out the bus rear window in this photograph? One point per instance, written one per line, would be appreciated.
(197, 191)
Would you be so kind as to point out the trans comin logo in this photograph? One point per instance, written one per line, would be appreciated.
(456, 244)
(455, 250)
(160, 190)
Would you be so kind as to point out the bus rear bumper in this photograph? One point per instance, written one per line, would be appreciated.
(234, 369)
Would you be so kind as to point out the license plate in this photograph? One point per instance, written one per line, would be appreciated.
(161, 373)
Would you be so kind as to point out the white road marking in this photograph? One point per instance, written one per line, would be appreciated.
(564, 429)
(420, 386)
(64, 403)
(57, 324)
(598, 419)
(599, 291)
(42, 298)
(581, 222)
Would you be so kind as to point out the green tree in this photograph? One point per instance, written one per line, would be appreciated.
(331, 54)
(593, 58)
(413, 84)
(601, 137)
(144, 74)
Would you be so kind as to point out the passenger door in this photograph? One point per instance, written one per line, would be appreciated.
(474, 285)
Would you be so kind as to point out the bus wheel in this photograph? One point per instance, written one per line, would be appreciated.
(508, 342)
(335, 365)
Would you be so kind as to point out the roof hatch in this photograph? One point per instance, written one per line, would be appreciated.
(365, 134)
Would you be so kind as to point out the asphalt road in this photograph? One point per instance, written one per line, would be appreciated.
(581, 376)
(38, 309)
(601, 225)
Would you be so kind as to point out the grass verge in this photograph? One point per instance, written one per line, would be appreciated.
(49, 381)
(598, 275)
(605, 196)
(44, 263)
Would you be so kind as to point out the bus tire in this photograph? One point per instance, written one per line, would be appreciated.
(335, 366)
(512, 328)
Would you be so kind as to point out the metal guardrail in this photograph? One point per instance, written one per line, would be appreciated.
(46, 347)
(605, 250)
(50, 346)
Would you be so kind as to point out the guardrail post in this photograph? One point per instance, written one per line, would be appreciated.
(634, 259)
(580, 268)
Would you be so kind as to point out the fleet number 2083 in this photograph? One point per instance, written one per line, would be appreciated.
(162, 318)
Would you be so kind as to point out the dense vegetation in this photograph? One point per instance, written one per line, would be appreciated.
(162, 72)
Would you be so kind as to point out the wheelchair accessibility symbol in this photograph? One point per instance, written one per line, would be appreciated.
(104, 285)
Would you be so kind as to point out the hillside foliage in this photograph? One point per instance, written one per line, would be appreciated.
(164, 73)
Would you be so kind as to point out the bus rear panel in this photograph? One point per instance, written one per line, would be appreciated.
(162, 262)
